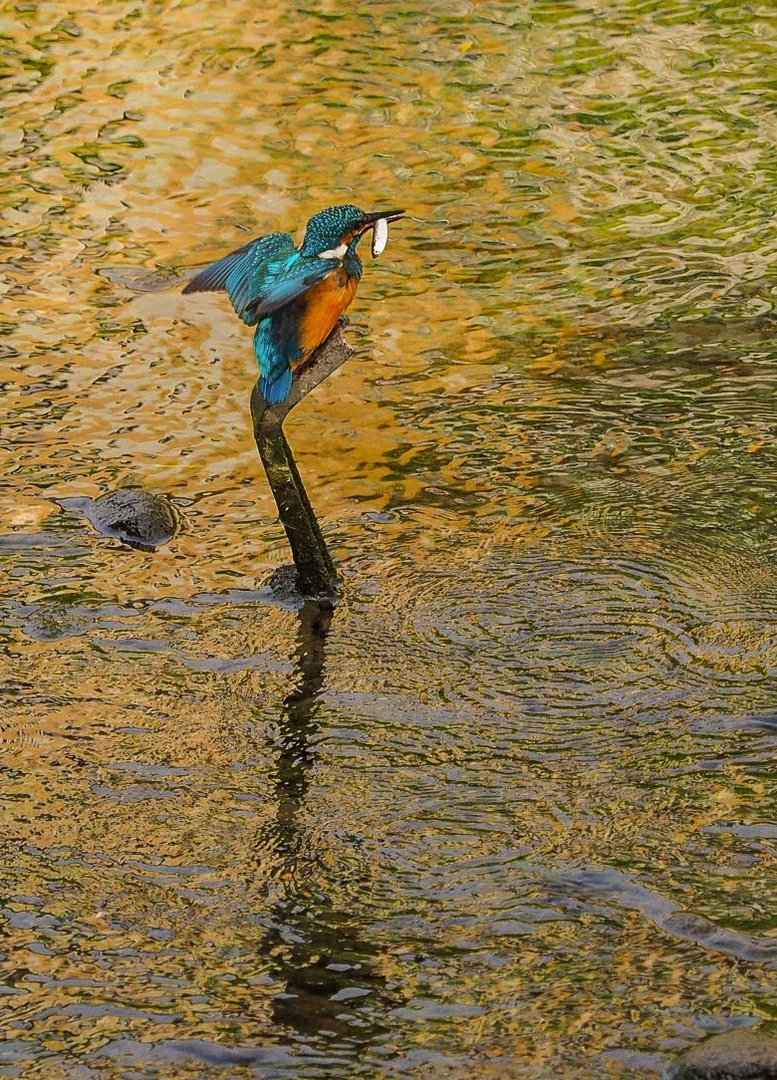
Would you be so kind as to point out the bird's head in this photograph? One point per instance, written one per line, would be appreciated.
(330, 233)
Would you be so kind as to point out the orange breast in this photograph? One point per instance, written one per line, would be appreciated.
(325, 304)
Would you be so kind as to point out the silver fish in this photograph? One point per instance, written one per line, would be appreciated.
(379, 237)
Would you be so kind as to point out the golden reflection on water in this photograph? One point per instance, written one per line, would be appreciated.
(512, 811)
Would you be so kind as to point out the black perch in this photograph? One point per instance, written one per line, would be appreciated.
(316, 573)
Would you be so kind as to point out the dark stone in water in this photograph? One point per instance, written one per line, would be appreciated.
(744, 1054)
(137, 518)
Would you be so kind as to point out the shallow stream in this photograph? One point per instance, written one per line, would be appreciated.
(510, 812)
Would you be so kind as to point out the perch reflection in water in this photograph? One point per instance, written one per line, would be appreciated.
(331, 983)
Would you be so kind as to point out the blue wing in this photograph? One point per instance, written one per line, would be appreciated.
(262, 279)
(288, 281)
(245, 273)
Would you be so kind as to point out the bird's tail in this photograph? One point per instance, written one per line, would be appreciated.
(275, 388)
(273, 360)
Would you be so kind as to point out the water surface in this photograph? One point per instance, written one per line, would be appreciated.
(510, 812)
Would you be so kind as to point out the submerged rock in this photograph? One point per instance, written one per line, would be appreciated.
(744, 1054)
(137, 518)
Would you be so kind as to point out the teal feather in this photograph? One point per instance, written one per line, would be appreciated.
(245, 273)
(276, 347)
(287, 281)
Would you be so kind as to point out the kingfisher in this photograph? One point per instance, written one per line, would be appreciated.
(294, 296)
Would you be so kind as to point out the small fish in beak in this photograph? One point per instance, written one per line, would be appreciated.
(379, 237)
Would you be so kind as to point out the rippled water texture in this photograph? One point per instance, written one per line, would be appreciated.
(510, 811)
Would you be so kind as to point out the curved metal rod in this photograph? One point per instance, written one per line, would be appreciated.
(316, 573)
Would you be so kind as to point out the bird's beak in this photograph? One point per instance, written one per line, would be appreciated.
(387, 215)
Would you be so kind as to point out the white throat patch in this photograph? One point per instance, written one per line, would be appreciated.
(334, 253)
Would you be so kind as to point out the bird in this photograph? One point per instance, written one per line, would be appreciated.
(294, 296)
